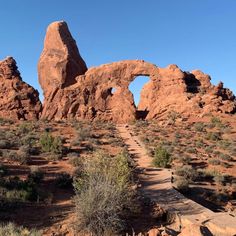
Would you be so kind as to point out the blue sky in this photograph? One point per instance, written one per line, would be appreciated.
(194, 34)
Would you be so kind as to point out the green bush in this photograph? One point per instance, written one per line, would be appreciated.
(50, 144)
(162, 157)
(102, 194)
(11, 229)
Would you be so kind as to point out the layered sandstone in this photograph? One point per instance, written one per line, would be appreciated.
(73, 92)
(18, 100)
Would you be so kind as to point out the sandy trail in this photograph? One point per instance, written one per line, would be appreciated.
(156, 184)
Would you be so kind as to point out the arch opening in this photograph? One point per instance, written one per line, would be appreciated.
(113, 90)
(136, 87)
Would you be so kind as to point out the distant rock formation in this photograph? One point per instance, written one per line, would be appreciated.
(73, 92)
(18, 100)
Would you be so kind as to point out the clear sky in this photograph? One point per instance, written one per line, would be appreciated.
(194, 34)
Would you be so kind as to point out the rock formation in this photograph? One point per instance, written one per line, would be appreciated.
(73, 92)
(60, 61)
(18, 100)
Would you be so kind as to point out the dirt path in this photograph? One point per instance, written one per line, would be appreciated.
(156, 184)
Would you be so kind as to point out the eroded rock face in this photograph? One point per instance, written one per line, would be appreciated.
(186, 93)
(18, 100)
(60, 61)
(91, 96)
(73, 92)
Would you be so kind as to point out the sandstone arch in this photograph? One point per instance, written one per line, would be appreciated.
(73, 92)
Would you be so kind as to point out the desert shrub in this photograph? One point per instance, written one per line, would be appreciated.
(11, 229)
(224, 144)
(226, 164)
(64, 180)
(173, 116)
(199, 143)
(200, 127)
(217, 122)
(204, 175)
(25, 128)
(4, 121)
(187, 172)
(76, 161)
(214, 161)
(185, 159)
(84, 132)
(19, 156)
(141, 123)
(209, 149)
(178, 135)
(50, 144)
(102, 194)
(225, 157)
(216, 153)
(182, 185)
(232, 150)
(219, 178)
(89, 146)
(16, 190)
(191, 150)
(29, 140)
(5, 144)
(54, 156)
(214, 136)
(162, 157)
(117, 142)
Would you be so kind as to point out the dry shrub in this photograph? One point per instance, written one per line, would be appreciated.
(103, 194)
